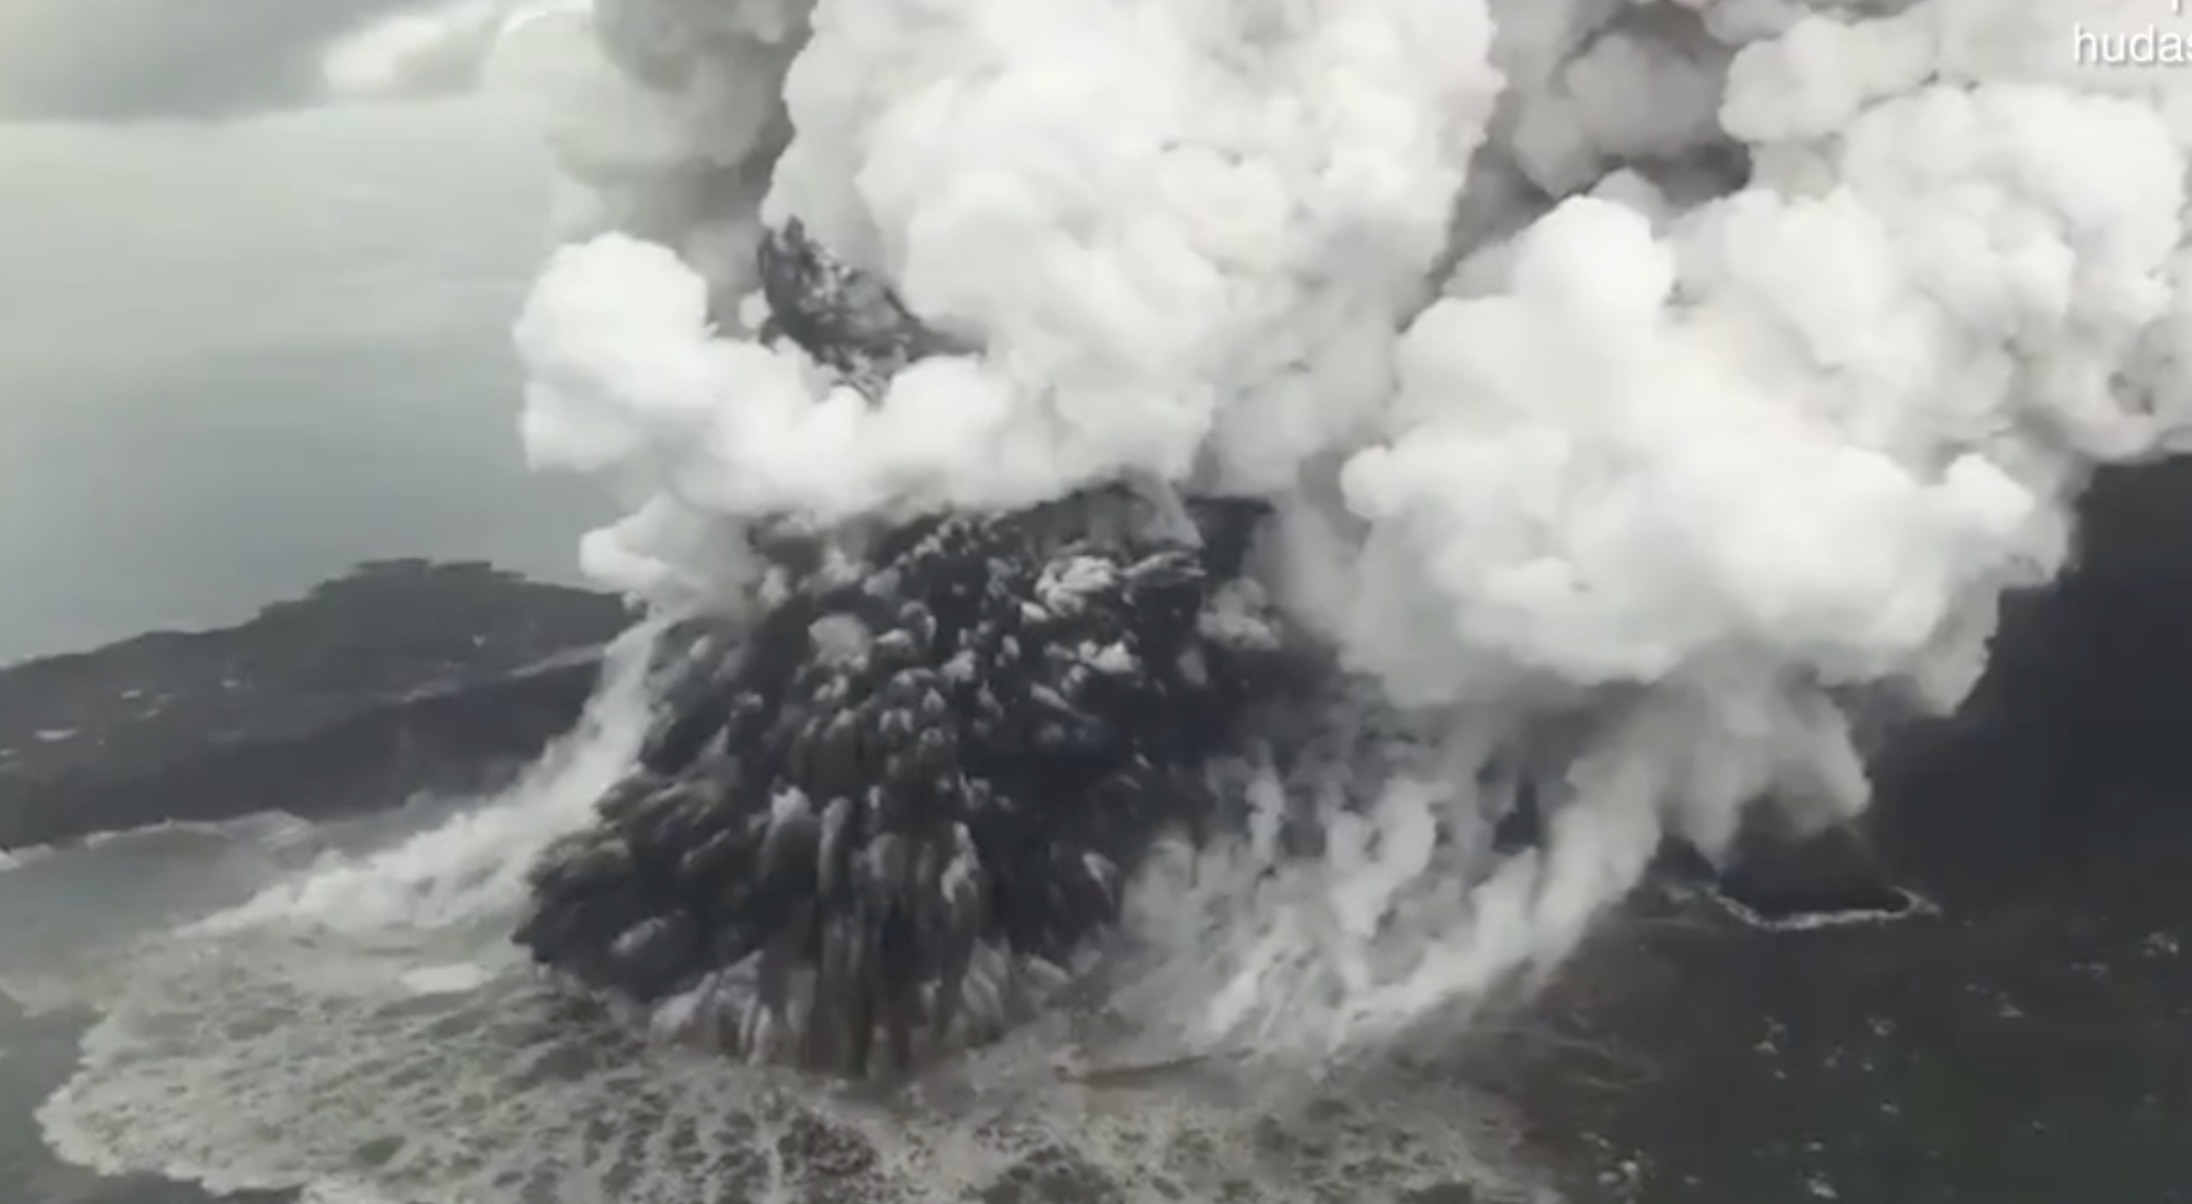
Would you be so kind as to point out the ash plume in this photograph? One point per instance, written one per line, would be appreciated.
(894, 811)
(1662, 375)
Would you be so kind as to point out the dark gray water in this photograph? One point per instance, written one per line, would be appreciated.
(60, 929)
(2027, 1054)
(72, 920)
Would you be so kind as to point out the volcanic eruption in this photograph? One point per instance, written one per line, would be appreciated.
(1635, 400)
(897, 808)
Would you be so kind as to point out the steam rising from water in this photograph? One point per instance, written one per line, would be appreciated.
(1663, 374)
(366, 1030)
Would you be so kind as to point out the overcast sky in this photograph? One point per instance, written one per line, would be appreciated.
(249, 335)
(123, 59)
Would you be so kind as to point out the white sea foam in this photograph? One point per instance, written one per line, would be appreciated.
(366, 1031)
(74, 912)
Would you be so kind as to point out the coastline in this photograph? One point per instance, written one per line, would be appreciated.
(402, 676)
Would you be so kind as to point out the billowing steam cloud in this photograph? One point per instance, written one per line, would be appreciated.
(1663, 375)
(449, 46)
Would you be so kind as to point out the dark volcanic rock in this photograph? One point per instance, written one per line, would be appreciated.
(898, 807)
(850, 322)
(900, 802)
(1776, 874)
(404, 676)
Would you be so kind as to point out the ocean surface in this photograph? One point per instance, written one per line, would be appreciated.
(237, 358)
(331, 1013)
(270, 1005)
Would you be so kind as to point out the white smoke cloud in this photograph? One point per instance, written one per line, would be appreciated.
(411, 50)
(1813, 320)
(518, 47)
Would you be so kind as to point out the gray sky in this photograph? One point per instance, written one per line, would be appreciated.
(239, 355)
(122, 59)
